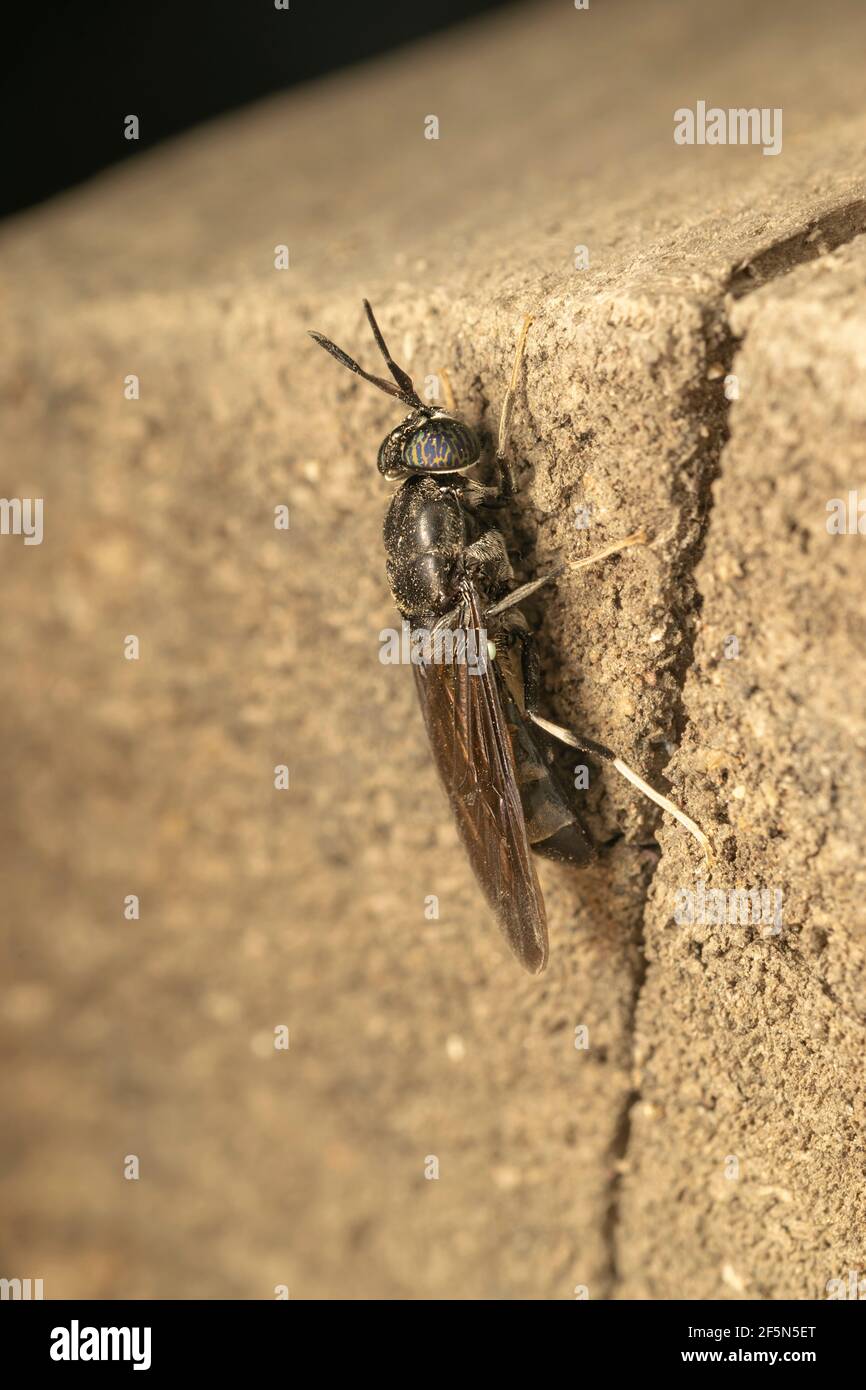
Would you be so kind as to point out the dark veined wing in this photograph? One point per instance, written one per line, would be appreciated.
(472, 749)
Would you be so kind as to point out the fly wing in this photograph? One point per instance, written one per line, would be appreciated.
(472, 749)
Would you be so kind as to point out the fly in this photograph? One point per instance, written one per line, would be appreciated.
(449, 574)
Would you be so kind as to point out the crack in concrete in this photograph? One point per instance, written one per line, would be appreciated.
(819, 238)
(709, 408)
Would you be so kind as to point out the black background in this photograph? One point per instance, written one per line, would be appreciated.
(217, 1341)
(70, 72)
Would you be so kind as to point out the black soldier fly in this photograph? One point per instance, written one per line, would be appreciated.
(448, 568)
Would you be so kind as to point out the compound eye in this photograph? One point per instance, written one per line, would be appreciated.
(440, 446)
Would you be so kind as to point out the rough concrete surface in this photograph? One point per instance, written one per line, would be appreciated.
(708, 1142)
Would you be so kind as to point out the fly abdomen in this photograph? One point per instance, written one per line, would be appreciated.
(552, 827)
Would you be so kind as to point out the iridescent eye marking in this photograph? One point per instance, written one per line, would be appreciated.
(440, 449)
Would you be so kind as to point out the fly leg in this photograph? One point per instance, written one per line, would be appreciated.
(525, 590)
(552, 825)
(486, 560)
(588, 745)
(473, 495)
(448, 391)
(500, 492)
(515, 645)
(584, 744)
(505, 475)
